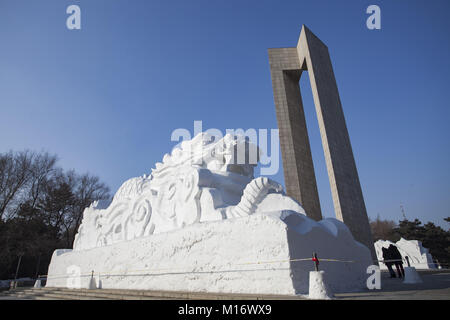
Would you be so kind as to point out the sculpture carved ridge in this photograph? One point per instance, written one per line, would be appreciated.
(199, 181)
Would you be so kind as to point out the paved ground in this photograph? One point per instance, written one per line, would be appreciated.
(435, 286)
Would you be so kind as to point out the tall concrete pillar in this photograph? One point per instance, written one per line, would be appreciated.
(286, 66)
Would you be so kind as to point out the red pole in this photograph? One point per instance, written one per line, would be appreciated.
(316, 261)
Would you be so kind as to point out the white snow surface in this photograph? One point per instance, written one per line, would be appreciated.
(241, 255)
(411, 276)
(202, 223)
(419, 257)
(318, 288)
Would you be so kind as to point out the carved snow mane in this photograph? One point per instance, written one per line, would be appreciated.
(202, 180)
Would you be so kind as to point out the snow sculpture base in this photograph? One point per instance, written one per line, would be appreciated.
(411, 276)
(318, 288)
(228, 256)
(37, 284)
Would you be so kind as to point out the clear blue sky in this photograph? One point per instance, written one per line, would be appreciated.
(107, 97)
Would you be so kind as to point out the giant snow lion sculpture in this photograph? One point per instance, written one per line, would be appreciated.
(201, 209)
(197, 182)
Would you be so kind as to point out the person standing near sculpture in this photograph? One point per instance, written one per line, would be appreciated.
(395, 254)
(387, 261)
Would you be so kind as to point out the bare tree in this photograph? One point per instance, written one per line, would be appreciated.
(66, 197)
(383, 229)
(42, 169)
(41, 207)
(87, 190)
(15, 173)
(22, 175)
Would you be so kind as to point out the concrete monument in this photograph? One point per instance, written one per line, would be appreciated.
(287, 66)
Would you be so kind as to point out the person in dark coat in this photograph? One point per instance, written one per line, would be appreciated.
(395, 254)
(387, 256)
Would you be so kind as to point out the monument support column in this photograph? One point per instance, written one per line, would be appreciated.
(286, 69)
(299, 176)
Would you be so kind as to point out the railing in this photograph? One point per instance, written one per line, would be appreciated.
(173, 270)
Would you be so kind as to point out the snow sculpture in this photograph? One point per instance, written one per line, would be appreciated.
(419, 257)
(201, 222)
(197, 182)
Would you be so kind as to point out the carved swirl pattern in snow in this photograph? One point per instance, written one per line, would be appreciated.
(176, 203)
(178, 193)
(139, 223)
